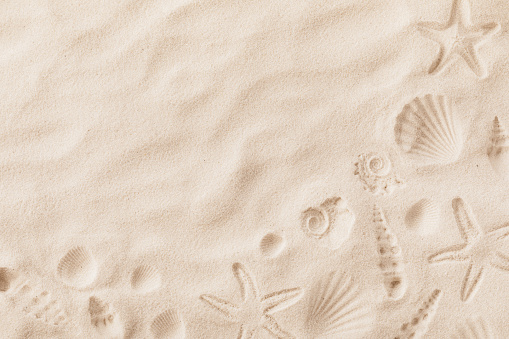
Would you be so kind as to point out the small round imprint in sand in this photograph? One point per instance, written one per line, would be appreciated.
(337, 309)
(423, 217)
(272, 245)
(78, 268)
(498, 152)
(105, 320)
(428, 130)
(168, 325)
(375, 172)
(330, 223)
(145, 279)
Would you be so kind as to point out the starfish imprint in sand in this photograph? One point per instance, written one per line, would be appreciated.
(255, 312)
(459, 37)
(480, 249)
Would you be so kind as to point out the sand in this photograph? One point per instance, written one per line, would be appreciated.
(169, 138)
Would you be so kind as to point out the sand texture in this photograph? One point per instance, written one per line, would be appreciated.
(254, 169)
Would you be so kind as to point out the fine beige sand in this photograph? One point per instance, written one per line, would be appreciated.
(254, 169)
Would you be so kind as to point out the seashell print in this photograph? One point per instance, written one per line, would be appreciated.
(474, 328)
(330, 223)
(428, 131)
(418, 326)
(375, 172)
(145, 279)
(31, 299)
(168, 325)
(423, 217)
(498, 152)
(272, 245)
(336, 309)
(77, 268)
(391, 259)
(105, 320)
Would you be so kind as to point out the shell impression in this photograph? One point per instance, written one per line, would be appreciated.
(168, 325)
(391, 259)
(330, 223)
(77, 268)
(427, 129)
(423, 217)
(498, 152)
(475, 328)
(145, 279)
(105, 320)
(375, 173)
(337, 309)
(418, 326)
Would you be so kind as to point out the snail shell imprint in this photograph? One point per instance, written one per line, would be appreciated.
(423, 217)
(337, 309)
(33, 301)
(498, 152)
(375, 173)
(77, 268)
(272, 245)
(330, 223)
(145, 279)
(168, 325)
(105, 320)
(418, 326)
(391, 259)
(427, 130)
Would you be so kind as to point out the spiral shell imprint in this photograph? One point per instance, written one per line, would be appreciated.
(375, 173)
(105, 320)
(498, 152)
(391, 259)
(168, 325)
(77, 268)
(418, 326)
(31, 299)
(427, 130)
(337, 309)
(330, 223)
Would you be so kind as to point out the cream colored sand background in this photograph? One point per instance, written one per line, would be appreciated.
(177, 134)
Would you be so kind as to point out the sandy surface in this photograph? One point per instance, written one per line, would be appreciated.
(176, 135)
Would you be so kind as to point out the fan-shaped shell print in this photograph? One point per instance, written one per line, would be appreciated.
(337, 309)
(145, 279)
(168, 325)
(78, 268)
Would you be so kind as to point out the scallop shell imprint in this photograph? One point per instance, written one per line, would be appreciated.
(105, 320)
(498, 152)
(337, 310)
(423, 217)
(168, 325)
(330, 223)
(427, 129)
(272, 245)
(145, 279)
(391, 259)
(77, 268)
(30, 299)
(375, 173)
(418, 326)
(475, 328)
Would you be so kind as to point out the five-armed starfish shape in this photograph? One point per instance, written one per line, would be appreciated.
(255, 312)
(479, 248)
(459, 37)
